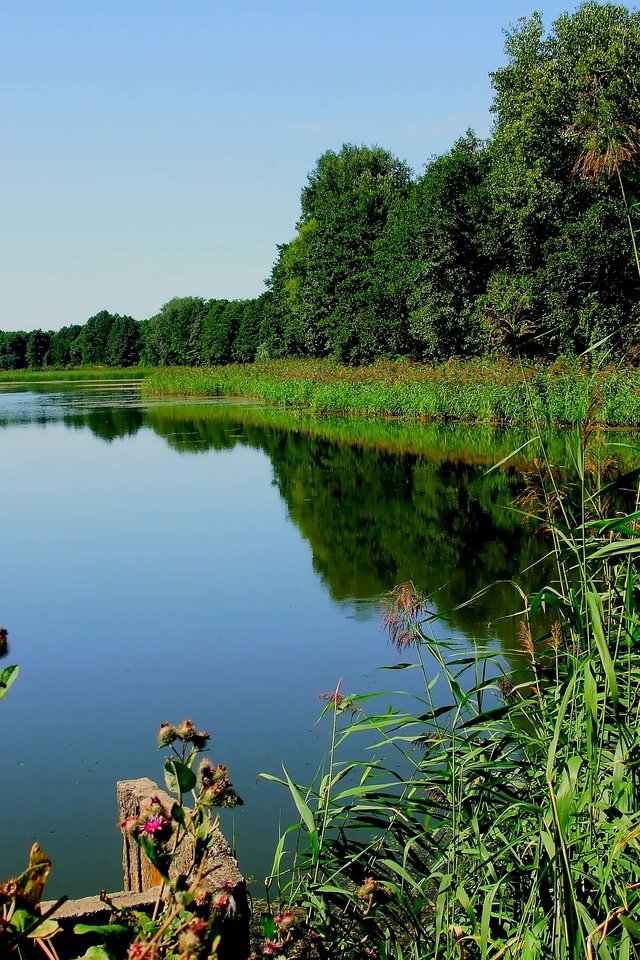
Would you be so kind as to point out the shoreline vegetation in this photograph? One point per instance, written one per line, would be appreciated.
(482, 391)
(71, 374)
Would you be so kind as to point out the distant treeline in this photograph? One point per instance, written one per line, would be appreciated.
(522, 242)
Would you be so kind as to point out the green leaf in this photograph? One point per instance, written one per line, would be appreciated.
(97, 953)
(44, 930)
(23, 919)
(595, 611)
(269, 929)
(178, 777)
(401, 666)
(8, 677)
(103, 930)
(631, 925)
(158, 857)
(303, 809)
(551, 758)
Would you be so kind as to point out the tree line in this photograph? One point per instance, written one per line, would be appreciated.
(522, 242)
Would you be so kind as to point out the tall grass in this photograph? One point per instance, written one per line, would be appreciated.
(505, 823)
(477, 390)
(66, 374)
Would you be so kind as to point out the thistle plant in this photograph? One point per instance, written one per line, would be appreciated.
(190, 910)
(188, 915)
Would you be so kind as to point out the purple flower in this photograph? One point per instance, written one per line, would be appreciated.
(157, 826)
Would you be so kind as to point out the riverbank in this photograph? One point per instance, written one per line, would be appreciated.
(69, 374)
(486, 391)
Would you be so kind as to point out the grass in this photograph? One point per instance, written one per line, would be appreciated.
(57, 375)
(506, 823)
(472, 391)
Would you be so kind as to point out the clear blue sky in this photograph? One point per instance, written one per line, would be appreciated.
(155, 149)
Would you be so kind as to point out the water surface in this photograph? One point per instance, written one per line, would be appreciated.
(224, 562)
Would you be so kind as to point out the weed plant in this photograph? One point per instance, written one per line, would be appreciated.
(486, 390)
(190, 913)
(505, 823)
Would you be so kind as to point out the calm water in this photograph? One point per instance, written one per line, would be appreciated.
(221, 562)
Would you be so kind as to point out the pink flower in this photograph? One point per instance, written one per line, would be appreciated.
(157, 826)
(271, 947)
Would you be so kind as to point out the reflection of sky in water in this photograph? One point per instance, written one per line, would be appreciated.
(142, 585)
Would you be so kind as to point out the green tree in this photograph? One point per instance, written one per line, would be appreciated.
(61, 351)
(124, 342)
(94, 337)
(214, 335)
(172, 336)
(246, 340)
(13, 350)
(327, 273)
(431, 259)
(567, 104)
(38, 342)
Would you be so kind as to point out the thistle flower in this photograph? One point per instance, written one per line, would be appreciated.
(271, 947)
(187, 732)
(224, 901)
(215, 786)
(193, 939)
(154, 821)
(284, 920)
(373, 890)
(158, 827)
(139, 949)
(130, 826)
(210, 775)
(166, 735)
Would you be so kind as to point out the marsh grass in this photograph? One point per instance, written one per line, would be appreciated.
(504, 822)
(54, 375)
(490, 391)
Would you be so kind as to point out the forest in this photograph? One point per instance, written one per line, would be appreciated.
(521, 244)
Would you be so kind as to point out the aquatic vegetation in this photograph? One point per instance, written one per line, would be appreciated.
(485, 390)
(55, 374)
(505, 823)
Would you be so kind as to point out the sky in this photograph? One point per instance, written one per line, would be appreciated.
(154, 149)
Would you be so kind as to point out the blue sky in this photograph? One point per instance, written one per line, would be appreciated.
(155, 149)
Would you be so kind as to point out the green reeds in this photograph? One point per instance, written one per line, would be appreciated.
(501, 817)
(66, 374)
(486, 390)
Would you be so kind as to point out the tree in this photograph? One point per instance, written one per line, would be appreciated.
(61, 352)
(172, 335)
(37, 345)
(13, 349)
(124, 342)
(327, 272)
(245, 344)
(431, 261)
(566, 104)
(93, 338)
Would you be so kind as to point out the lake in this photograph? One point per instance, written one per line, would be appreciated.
(223, 562)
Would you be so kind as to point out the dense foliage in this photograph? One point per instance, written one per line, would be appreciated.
(483, 389)
(524, 241)
(504, 824)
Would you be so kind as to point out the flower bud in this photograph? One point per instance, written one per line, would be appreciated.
(166, 735)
